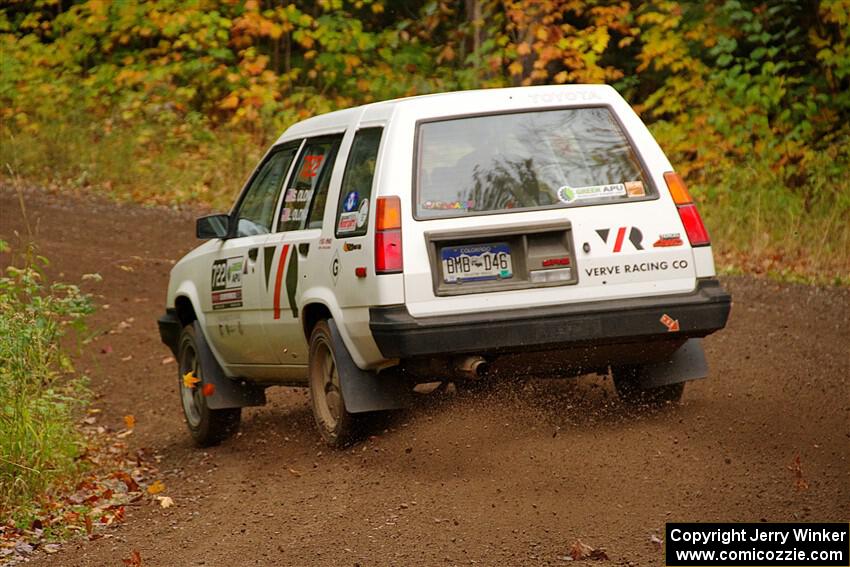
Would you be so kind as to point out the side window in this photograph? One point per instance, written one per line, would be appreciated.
(352, 215)
(256, 211)
(304, 201)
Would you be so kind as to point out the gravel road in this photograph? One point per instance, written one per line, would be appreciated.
(510, 476)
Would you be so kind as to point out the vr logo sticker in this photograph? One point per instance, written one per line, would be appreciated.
(635, 237)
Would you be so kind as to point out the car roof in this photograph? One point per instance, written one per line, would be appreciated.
(454, 103)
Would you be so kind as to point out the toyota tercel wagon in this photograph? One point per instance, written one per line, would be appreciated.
(535, 231)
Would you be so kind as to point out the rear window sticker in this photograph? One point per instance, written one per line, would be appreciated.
(670, 239)
(448, 205)
(347, 222)
(635, 189)
(311, 166)
(363, 213)
(303, 195)
(285, 214)
(350, 202)
(291, 196)
(567, 194)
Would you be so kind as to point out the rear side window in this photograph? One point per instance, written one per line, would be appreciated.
(305, 197)
(526, 160)
(352, 215)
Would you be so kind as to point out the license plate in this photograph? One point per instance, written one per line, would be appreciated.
(476, 262)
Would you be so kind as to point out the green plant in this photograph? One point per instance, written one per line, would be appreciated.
(39, 393)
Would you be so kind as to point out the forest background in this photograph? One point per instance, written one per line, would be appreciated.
(173, 101)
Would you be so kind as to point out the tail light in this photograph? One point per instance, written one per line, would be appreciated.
(697, 235)
(388, 255)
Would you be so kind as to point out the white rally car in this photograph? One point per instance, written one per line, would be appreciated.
(467, 235)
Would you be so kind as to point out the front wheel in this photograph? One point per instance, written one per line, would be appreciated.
(627, 384)
(337, 426)
(207, 426)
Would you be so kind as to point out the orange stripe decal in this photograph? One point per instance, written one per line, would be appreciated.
(281, 265)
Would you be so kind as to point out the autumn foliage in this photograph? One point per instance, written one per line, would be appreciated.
(172, 100)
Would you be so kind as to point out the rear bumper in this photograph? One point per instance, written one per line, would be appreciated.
(169, 329)
(698, 313)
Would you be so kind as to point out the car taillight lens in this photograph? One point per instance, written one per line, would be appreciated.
(697, 235)
(388, 255)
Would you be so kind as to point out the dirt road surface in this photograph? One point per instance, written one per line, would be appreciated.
(510, 477)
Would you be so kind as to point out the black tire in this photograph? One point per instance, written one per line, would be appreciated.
(207, 426)
(627, 384)
(337, 426)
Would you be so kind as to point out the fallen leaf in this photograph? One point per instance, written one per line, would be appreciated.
(156, 487)
(106, 350)
(50, 548)
(130, 421)
(127, 358)
(132, 485)
(656, 542)
(135, 559)
(89, 526)
(168, 360)
(189, 380)
(580, 551)
(165, 501)
(125, 268)
(294, 472)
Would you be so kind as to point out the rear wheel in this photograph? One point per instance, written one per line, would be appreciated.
(627, 384)
(337, 426)
(207, 426)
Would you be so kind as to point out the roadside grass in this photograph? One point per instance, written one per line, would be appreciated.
(41, 397)
(761, 221)
(148, 162)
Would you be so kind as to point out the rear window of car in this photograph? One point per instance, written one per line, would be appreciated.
(525, 160)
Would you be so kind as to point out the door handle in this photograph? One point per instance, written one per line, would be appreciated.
(304, 248)
(252, 259)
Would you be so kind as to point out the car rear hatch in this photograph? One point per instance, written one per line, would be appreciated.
(536, 208)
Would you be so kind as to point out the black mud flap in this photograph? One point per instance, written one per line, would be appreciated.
(687, 363)
(366, 391)
(228, 393)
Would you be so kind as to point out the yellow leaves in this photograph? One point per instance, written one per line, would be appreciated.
(156, 487)
(523, 49)
(228, 103)
(130, 421)
(377, 8)
(190, 380)
(515, 68)
(447, 54)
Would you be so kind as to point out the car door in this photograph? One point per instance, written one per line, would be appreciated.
(297, 249)
(233, 315)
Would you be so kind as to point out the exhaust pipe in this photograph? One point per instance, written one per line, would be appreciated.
(471, 367)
